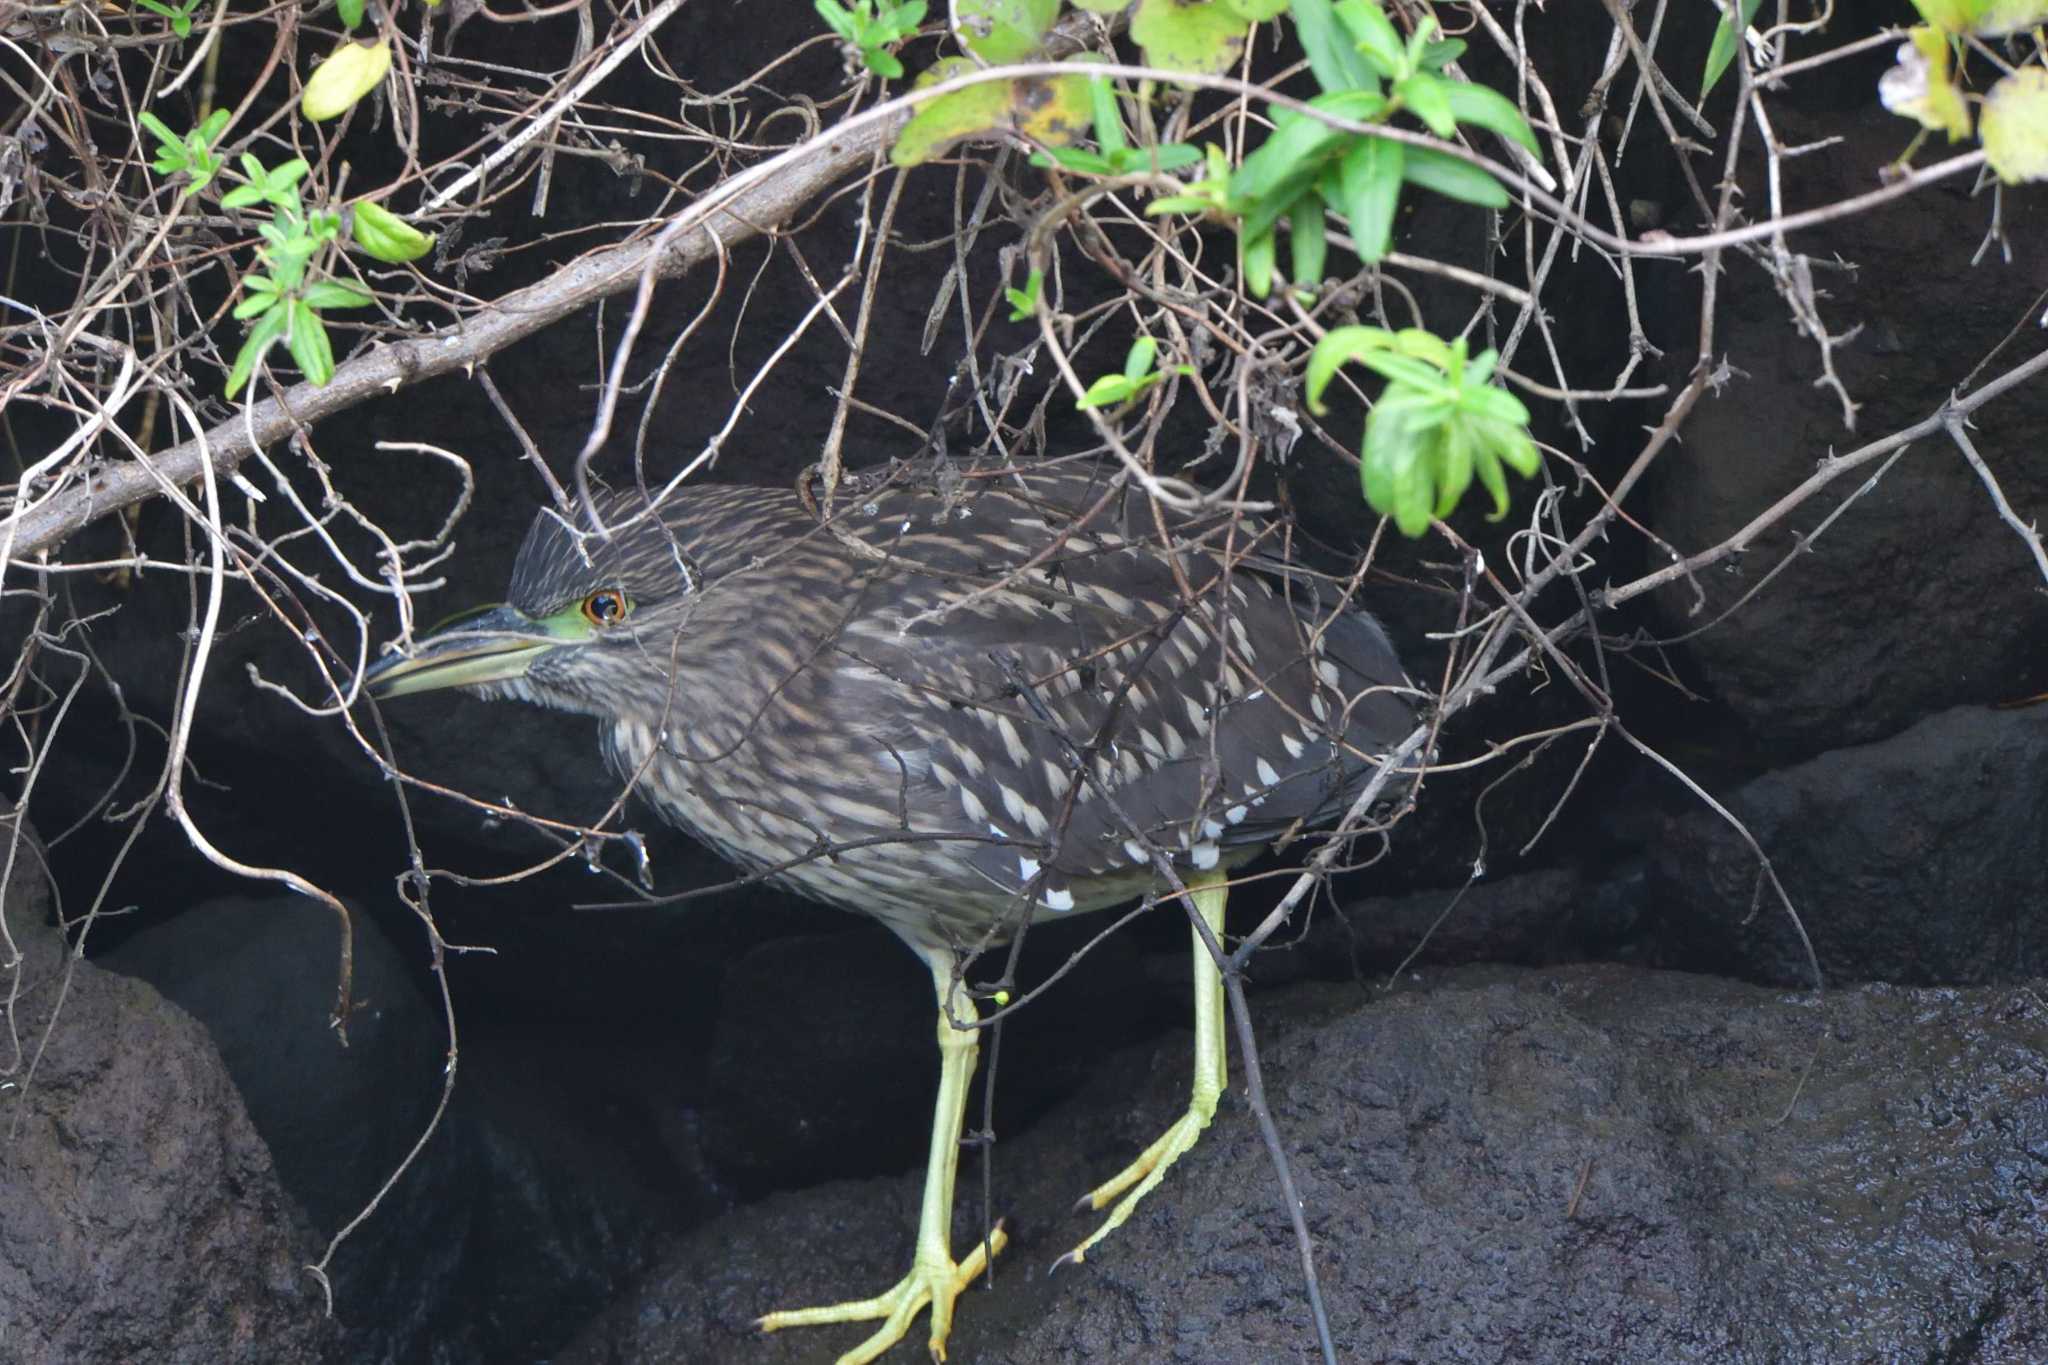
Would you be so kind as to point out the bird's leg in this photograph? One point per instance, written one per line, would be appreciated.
(935, 1278)
(1212, 1070)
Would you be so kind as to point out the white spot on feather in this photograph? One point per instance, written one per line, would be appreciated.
(1268, 774)
(1205, 856)
(1013, 743)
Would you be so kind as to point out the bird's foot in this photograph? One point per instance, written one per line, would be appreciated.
(1142, 1176)
(933, 1279)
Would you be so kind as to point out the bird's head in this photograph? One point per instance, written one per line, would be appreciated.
(592, 624)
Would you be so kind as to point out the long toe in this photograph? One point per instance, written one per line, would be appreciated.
(931, 1281)
(1140, 1178)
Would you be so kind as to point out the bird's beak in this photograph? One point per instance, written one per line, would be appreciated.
(496, 644)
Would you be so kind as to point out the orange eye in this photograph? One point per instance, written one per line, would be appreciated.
(606, 607)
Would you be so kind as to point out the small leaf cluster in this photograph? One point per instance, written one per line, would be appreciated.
(179, 15)
(1369, 74)
(1024, 302)
(871, 29)
(1109, 390)
(1436, 425)
(284, 303)
(192, 153)
(1922, 84)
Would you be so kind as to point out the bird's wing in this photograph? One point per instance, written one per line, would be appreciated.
(1089, 688)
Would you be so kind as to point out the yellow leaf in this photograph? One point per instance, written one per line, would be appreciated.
(1919, 88)
(350, 72)
(2015, 126)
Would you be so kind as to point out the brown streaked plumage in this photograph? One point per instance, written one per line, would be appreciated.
(964, 702)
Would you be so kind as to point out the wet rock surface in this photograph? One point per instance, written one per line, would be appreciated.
(1498, 1165)
(141, 1217)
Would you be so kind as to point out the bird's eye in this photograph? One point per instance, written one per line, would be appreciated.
(606, 607)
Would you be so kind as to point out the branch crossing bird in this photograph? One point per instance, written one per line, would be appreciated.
(963, 701)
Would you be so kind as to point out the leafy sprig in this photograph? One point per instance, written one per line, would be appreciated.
(191, 153)
(871, 29)
(1437, 423)
(179, 15)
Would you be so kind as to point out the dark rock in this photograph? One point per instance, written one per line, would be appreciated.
(1918, 598)
(339, 1120)
(1923, 858)
(518, 1211)
(1599, 1164)
(140, 1215)
(1531, 919)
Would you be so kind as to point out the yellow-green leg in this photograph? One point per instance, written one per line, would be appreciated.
(1212, 1073)
(935, 1278)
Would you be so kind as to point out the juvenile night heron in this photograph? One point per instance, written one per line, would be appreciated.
(961, 702)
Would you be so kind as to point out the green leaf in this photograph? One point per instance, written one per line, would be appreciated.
(1332, 54)
(1454, 470)
(335, 294)
(2014, 127)
(1258, 11)
(1024, 302)
(1275, 175)
(1440, 53)
(1308, 242)
(384, 235)
(268, 329)
(1203, 36)
(1454, 179)
(1512, 443)
(1427, 96)
(836, 17)
(1074, 159)
(162, 133)
(241, 196)
(1003, 31)
(1491, 110)
(307, 341)
(1337, 346)
(1258, 264)
(350, 13)
(1495, 481)
(254, 303)
(899, 23)
(1393, 466)
(1375, 37)
(1172, 156)
(1106, 391)
(1109, 120)
(1138, 360)
(1371, 179)
(1726, 37)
